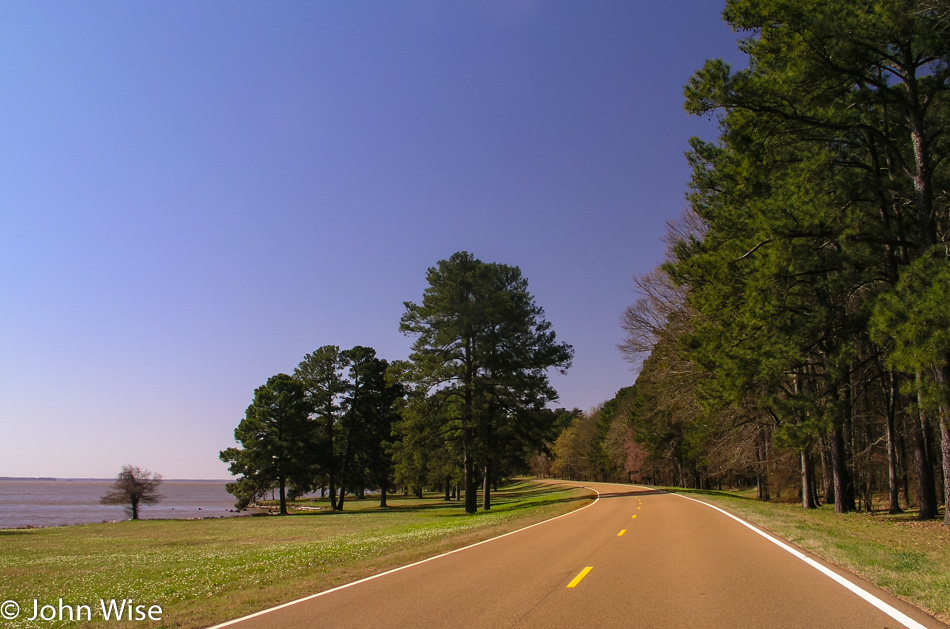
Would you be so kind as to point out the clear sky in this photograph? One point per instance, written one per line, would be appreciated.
(193, 195)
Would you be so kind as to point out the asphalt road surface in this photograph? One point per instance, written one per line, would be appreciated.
(633, 558)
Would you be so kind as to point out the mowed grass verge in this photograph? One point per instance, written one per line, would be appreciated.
(207, 571)
(908, 558)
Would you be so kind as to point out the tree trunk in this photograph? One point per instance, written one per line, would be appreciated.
(902, 462)
(332, 487)
(808, 493)
(840, 471)
(945, 452)
(926, 492)
(382, 497)
(945, 447)
(942, 375)
(847, 434)
(826, 474)
(471, 485)
(889, 383)
(488, 437)
(893, 488)
(923, 178)
(761, 474)
(927, 235)
(346, 463)
(470, 480)
(282, 492)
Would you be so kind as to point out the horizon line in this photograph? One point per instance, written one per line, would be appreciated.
(77, 478)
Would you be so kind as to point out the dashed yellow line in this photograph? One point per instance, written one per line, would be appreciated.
(620, 534)
(580, 577)
(634, 516)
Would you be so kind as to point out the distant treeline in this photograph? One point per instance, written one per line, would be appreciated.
(799, 330)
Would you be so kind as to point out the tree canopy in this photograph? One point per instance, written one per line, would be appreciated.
(482, 351)
(133, 487)
(276, 438)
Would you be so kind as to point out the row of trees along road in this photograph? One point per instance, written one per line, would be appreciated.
(469, 405)
(803, 312)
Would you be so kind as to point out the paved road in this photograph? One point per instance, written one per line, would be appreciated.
(655, 559)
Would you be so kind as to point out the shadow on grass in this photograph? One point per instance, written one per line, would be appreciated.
(908, 516)
(706, 492)
(512, 498)
(516, 496)
(635, 492)
(509, 508)
(503, 501)
(24, 531)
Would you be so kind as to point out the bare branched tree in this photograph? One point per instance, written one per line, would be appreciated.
(647, 320)
(938, 9)
(660, 301)
(133, 487)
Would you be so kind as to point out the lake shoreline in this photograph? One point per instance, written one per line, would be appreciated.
(259, 511)
(41, 503)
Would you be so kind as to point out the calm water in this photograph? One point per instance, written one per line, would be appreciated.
(59, 502)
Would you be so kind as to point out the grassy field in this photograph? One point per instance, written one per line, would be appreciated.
(908, 558)
(206, 571)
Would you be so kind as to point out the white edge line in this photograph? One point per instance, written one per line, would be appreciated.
(383, 574)
(897, 615)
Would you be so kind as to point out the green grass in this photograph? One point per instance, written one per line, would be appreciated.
(207, 571)
(906, 557)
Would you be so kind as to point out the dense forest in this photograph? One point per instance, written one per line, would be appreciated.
(797, 334)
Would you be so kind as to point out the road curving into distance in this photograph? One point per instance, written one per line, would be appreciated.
(635, 557)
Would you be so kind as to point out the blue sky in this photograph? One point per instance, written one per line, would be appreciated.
(195, 195)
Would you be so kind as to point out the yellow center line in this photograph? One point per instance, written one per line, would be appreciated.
(634, 516)
(620, 534)
(580, 577)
